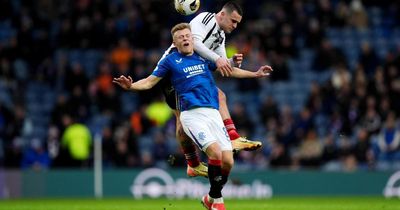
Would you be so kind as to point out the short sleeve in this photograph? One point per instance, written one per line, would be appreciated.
(161, 69)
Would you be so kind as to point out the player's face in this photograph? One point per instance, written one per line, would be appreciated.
(230, 21)
(183, 41)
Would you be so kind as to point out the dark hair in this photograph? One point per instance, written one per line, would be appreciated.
(232, 6)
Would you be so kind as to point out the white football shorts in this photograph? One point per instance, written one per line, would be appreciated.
(205, 126)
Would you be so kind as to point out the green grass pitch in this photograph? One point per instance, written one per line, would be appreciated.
(277, 203)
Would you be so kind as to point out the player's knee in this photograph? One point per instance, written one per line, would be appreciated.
(227, 163)
(221, 95)
(214, 152)
(179, 130)
(181, 135)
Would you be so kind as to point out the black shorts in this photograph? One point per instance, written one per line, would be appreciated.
(169, 92)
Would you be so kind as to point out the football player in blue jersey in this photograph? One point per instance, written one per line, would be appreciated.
(209, 31)
(197, 99)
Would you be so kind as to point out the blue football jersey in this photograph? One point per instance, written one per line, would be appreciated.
(192, 79)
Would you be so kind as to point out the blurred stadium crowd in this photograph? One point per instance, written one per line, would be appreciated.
(332, 102)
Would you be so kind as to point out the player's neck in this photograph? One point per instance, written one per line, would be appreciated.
(218, 19)
(186, 54)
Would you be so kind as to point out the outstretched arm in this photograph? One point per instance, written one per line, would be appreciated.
(263, 71)
(143, 84)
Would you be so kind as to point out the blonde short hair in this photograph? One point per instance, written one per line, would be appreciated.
(178, 27)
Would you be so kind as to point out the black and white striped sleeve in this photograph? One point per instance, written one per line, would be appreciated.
(202, 27)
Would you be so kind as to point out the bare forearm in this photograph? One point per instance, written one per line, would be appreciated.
(240, 73)
(140, 85)
(144, 84)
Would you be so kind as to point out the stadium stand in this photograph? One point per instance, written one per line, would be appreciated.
(57, 58)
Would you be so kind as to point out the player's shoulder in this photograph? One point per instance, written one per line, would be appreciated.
(167, 58)
(204, 18)
(167, 62)
(171, 57)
